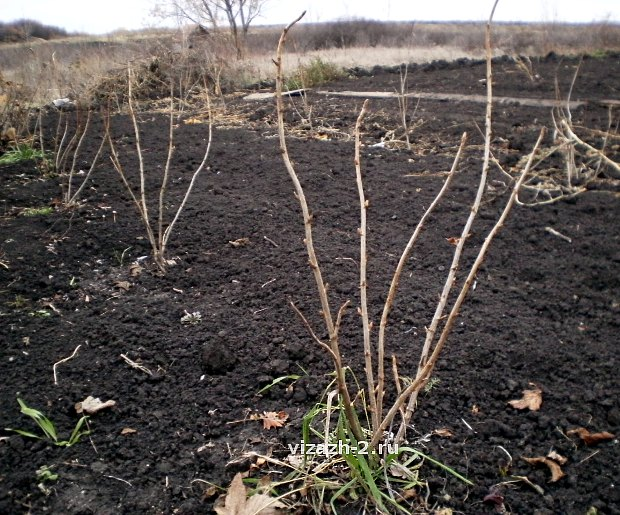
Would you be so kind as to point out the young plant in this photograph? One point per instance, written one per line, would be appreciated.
(68, 149)
(157, 230)
(403, 103)
(381, 418)
(48, 428)
(45, 475)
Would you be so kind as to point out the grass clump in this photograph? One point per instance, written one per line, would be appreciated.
(37, 211)
(22, 152)
(315, 73)
(47, 427)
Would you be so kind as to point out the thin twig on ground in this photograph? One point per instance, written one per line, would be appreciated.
(63, 361)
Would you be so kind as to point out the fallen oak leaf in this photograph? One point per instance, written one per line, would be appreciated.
(591, 438)
(273, 419)
(532, 399)
(237, 502)
(556, 470)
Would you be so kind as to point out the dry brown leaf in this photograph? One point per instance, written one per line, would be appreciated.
(526, 480)
(412, 493)
(532, 399)
(558, 458)
(241, 242)
(273, 419)
(209, 493)
(92, 405)
(236, 502)
(591, 438)
(122, 285)
(128, 431)
(453, 240)
(135, 270)
(556, 471)
(444, 432)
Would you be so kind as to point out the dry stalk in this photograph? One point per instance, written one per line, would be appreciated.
(579, 172)
(389, 302)
(314, 265)
(363, 275)
(159, 240)
(570, 134)
(136, 365)
(72, 198)
(402, 103)
(68, 148)
(64, 360)
(425, 373)
(431, 331)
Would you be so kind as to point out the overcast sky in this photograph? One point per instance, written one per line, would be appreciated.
(102, 16)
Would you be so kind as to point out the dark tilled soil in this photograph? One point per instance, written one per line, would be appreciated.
(544, 310)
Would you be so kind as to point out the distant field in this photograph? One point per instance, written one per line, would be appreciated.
(75, 66)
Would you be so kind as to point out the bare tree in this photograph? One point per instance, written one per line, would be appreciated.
(209, 14)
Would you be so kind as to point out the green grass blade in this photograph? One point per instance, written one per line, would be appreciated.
(438, 464)
(77, 433)
(292, 377)
(23, 433)
(42, 421)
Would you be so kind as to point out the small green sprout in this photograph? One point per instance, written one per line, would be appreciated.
(277, 380)
(18, 302)
(40, 313)
(48, 428)
(191, 318)
(45, 474)
(432, 383)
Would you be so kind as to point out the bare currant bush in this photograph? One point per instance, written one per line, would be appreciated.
(67, 150)
(382, 418)
(158, 229)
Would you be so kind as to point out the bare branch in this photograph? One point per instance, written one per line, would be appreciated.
(363, 275)
(314, 265)
(399, 270)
